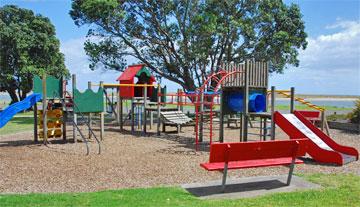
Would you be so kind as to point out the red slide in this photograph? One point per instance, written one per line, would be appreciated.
(321, 148)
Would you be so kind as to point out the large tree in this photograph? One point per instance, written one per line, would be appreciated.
(28, 47)
(185, 40)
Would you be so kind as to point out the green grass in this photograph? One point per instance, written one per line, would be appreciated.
(337, 117)
(303, 107)
(339, 190)
(18, 124)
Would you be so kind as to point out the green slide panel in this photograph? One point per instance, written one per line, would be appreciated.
(89, 101)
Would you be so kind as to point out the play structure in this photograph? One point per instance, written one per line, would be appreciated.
(236, 93)
(58, 107)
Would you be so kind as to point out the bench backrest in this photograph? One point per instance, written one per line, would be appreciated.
(257, 150)
(310, 114)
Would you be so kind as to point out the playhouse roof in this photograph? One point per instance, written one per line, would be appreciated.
(134, 71)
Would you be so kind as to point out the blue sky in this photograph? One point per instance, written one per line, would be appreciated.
(330, 64)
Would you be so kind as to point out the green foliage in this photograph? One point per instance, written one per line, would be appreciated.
(338, 190)
(337, 117)
(184, 41)
(354, 116)
(28, 47)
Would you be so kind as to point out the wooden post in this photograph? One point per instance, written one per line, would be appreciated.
(181, 105)
(44, 109)
(221, 118)
(64, 118)
(322, 120)
(272, 112)
(241, 125)
(292, 99)
(265, 129)
(89, 117)
(74, 113)
(178, 108)
(118, 110)
(132, 115)
(201, 111)
(144, 106)
(121, 114)
(158, 109)
(246, 101)
(102, 118)
(35, 123)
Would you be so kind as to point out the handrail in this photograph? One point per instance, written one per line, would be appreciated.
(124, 85)
(87, 124)
(301, 100)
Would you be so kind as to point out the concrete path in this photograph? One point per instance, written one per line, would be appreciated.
(248, 187)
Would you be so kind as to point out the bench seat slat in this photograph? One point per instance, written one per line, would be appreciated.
(250, 163)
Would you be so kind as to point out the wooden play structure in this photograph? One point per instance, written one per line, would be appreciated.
(59, 107)
(237, 93)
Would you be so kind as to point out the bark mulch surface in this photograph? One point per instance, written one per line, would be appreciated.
(127, 161)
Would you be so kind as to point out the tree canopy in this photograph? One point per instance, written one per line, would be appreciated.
(28, 47)
(185, 40)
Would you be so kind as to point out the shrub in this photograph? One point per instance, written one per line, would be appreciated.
(354, 116)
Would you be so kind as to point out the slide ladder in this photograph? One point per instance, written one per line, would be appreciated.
(321, 148)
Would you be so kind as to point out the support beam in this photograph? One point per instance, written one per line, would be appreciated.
(74, 114)
(144, 109)
(35, 123)
(44, 109)
(201, 112)
(246, 101)
(292, 99)
(272, 112)
(102, 118)
(132, 115)
(158, 109)
(221, 119)
(89, 115)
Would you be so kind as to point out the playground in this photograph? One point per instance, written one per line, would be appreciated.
(127, 161)
(136, 134)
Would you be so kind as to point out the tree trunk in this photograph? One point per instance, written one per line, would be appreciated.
(13, 95)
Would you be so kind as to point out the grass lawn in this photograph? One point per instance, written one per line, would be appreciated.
(303, 107)
(18, 124)
(339, 190)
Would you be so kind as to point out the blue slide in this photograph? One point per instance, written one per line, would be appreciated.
(15, 108)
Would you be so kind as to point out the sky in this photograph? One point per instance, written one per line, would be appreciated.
(330, 64)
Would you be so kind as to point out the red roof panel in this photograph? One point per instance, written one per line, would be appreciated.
(130, 72)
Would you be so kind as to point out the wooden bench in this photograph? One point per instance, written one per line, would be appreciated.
(230, 156)
(175, 118)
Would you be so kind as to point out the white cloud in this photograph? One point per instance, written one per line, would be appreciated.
(77, 62)
(330, 64)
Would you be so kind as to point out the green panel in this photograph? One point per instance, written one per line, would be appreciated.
(143, 70)
(53, 86)
(89, 101)
(154, 95)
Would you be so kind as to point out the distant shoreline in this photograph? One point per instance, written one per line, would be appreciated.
(309, 97)
(322, 99)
